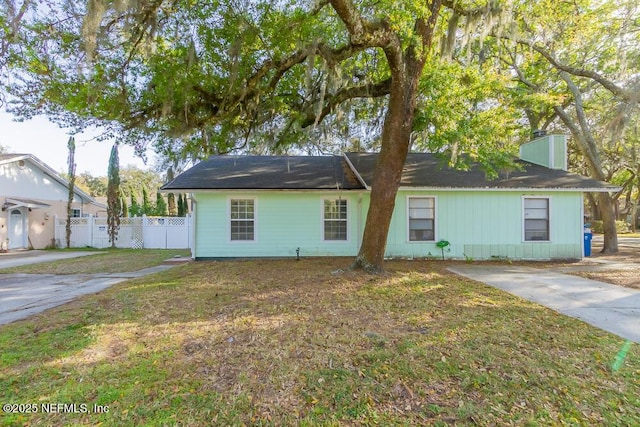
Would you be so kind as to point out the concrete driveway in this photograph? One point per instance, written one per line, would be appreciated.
(615, 309)
(18, 258)
(22, 295)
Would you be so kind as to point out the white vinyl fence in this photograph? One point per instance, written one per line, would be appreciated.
(140, 232)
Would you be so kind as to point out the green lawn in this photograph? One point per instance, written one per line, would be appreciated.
(299, 343)
(106, 261)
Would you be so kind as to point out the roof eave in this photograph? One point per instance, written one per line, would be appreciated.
(554, 189)
(217, 190)
(15, 158)
(402, 187)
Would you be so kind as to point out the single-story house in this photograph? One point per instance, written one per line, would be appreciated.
(31, 195)
(273, 206)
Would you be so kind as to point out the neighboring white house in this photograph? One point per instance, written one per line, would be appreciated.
(31, 194)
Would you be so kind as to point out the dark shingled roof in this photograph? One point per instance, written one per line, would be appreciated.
(323, 172)
(267, 172)
(427, 170)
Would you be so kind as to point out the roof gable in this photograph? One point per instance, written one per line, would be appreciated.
(47, 171)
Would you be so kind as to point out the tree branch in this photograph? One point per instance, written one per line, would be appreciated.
(362, 32)
(14, 20)
(373, 90)
(318, 7)
(454, 5)
(252, 88)
(581, 72)
(582, 133)
(426, 28)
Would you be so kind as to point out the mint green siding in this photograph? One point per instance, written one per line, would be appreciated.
(549, 151)
(486, 224)
(284, 221)
(478, 224)
(537, 151)
(559, 146)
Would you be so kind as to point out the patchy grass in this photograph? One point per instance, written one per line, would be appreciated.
(107, 261)
(291, 343)
(627, 278)
(599, 266)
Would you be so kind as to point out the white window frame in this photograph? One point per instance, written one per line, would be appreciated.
(435, 218)
(230, 219)
(73, 210)
(524, 219)
(345, 220)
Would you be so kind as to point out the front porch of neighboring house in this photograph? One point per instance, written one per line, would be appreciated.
(17, 212)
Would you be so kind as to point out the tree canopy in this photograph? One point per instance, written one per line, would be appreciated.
(194, 78)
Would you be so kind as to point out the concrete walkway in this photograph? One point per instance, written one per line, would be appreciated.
(615, 309)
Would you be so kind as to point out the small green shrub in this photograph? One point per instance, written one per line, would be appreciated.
(621, 227)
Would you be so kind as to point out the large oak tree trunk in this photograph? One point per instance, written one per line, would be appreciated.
(396, 135)
(396, 138)
(406, 65)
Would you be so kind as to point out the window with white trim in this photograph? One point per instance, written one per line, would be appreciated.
(242, 219)
(335, 219)
(536, 219)
(76, 213)
(422, 215)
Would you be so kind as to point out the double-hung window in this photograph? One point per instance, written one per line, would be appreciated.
(422, 215)
(242, 219)
(335, 219)
(536, 219)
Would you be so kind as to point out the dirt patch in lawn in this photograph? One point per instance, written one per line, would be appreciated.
(624, 278)
(620, 268)
(628, 252)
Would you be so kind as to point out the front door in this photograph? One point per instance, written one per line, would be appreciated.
(17, 229)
